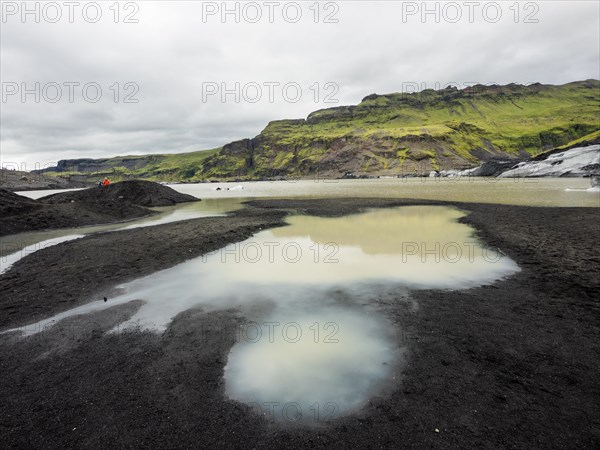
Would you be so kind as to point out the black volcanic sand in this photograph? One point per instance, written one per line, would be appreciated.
(135, 192)
(513, 364)
(122, 201)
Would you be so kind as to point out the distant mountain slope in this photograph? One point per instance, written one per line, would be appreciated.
(16, 180)
(165, 167)
(415, 133)
(399, 134)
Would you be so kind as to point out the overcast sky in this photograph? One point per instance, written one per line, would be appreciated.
(179, 56)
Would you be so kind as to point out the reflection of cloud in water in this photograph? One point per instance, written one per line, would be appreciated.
(320, 364)
(297, 277)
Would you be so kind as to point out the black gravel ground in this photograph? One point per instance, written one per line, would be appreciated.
(510, 365)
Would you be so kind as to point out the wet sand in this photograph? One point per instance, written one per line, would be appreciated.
(513, 364)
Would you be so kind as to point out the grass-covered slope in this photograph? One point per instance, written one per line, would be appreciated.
(393, 134)
(167, 167)
(414, 133)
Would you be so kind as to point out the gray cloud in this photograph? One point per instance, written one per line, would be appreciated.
(171, 52)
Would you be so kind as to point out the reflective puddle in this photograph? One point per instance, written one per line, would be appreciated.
(315, 347)
(312, 366)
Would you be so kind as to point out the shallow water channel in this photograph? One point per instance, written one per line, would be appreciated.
(17, 246)
(315, 347)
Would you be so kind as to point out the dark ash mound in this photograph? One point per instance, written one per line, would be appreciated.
(119, 202)
(11, 204)
(135, 192)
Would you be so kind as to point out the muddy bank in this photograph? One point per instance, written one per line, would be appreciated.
(60, 277)
(118, 202)
(507, 365)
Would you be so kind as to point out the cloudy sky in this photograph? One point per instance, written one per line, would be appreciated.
(94, 80)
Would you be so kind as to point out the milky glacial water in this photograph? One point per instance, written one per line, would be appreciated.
(316, 346)
(517, 191)
(544, 191)
(35, 194)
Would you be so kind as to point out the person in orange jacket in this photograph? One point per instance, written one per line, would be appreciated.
(105, 182)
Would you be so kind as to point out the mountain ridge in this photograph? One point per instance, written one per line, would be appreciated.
(397, 134)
